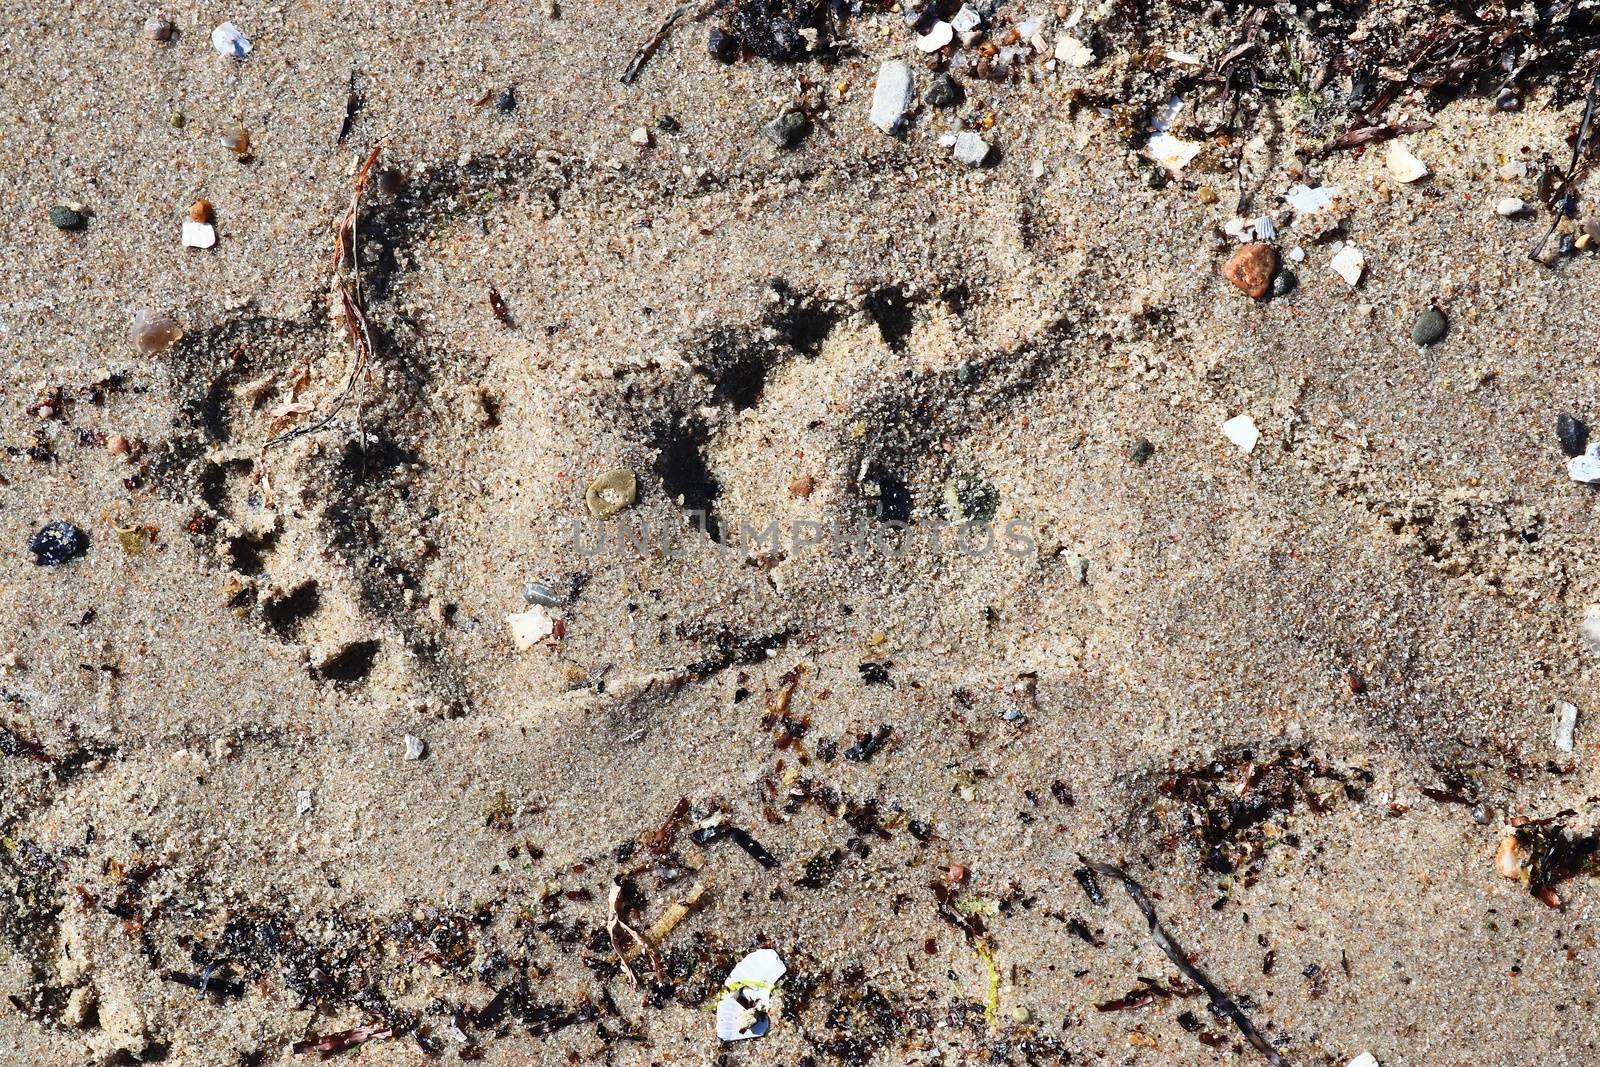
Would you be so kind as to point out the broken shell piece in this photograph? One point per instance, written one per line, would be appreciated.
(612, 492)
(1510, 207)
(1404, 167)
(1366, 1059)
(229, 40)
(1074, 52)
(1585, 468)
(936, 38)
(1308, 201)
(1171, 152)
(152, 332)
(1566, 723)
(1510, 858)
(1350, 264)
(1241, 430)
(966, 20)
(416, 747)
(199, 234)
(1589, 629)
(530, 627)
(743, 1010)
(1260, 228)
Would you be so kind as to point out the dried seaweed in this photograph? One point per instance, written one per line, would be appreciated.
(1221, 1002)
(708, 835)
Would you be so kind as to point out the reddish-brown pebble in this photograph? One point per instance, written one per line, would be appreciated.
(1251, 268)
(802, 486)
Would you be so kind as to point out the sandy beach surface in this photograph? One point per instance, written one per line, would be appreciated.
(328, 728)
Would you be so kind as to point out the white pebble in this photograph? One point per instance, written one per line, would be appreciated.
(1566, 723)
(1589, 629)
(1241, 430)
(966, 20)
(1074, 52)
(891, 97)
(971, 149)
(530, 627)
(230, 41)
(199, 234)
(1404, 167)
(1510, 207)
(416, 747)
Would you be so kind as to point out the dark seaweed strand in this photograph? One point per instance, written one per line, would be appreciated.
(1164, 941)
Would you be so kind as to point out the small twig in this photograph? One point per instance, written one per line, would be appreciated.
(1572, 168)
(1220, 1000)
(642, 56)
(616, 928)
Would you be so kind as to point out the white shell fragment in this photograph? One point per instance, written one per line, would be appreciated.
(1241, 430)
(891, 97)
(1589, 629)
(1260, 228)
(1074, 52)
(1510, 207)
(1308, 201)
(1586, 468)
(1366, 1059)
(742, 1010)
(941, 34)
(416, 747)
(199, 234)
(1404, 167)
(1565, 725)
(1173, 153)
(971, 149)
(530, 627)
(966, 20)
(1350, 264)
(230, 41)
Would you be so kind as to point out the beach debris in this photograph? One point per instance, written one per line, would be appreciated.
(968, 498)
(1561, 192)
(746, 1005)
(1589, 628)
(1561, 733)
(1585, 468)
(1430, 327)
(198, 234)
(944, 92)
(1306, 200)
(327, 1044)
(1366, 1059)
(153, 332)
(1172, 153)
(1349, 263)
(499, 309)
(868, 744)
(56, 543)
(1510, 207)
(506, 101)
(1241, 430)
(648, 49)
(352, 108)
(1221, 1004)
(1540, 853)
(1260, 228)
(1073, 52)
(892, 96)
(625, 938)
(715, 829)
(612, 493)
(676, 912)
(939, 34)
(416, 747)
(530, 627)
(1250, 269)
(971, 149)
(158, 28)
(1284, 282)
(788, 129)
(1404, 167)
(63, 217)
(229, 40)
(236, 139)
(302, 802)
(1572, 433)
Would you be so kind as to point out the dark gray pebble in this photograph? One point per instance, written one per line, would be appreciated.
(1431, 326)
(1573, 435)
(56, 543)
(65, 218)
(944, 92)
(1284, 282)
(1141, 452)
(506, 102)
(787, 130)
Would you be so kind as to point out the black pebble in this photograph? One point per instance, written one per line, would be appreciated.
(944, 92)
(506, 102)
(722, 45)
(1141, 451)
(1573, 435)
(56, 543)
(1284, 282)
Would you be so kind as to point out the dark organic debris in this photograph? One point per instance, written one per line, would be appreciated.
(1573, 434)
(497, 305)
(1091, 885)
(1563, 190)
(1550, 853)
(642, 56)
(876, 672)
(1221, 1003)
(708, 835)
(328, 1044)
(868, 744)
(57, 543)
(352, 108)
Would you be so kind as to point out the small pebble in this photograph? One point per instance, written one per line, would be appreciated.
(542, 594)
(57, 543)
(1019, 1014)
(1430, 327)
(66, 218)
(612, 493)
(802, 486)
(892, 96)
(157, 28)
(416, 747)
(944, 92)
(229, 40)
(506, 102)
(722, 46)
(118, 445)
(640, 137)
(787, 130)
(1573, 435)
(236, 140)
(971, 149)
(201, 211)
(1510, 207)
(1141, 452)
(176, 120)
(1250, 269)
(199, 234)
(1284, 282)
(1507, 100)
